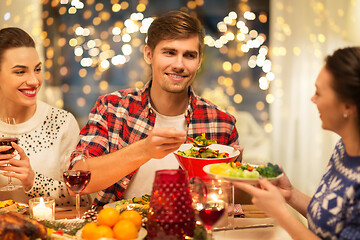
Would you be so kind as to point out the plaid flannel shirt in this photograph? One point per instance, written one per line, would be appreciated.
(124, 117)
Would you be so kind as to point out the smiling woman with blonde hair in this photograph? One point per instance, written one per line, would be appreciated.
(44, 132)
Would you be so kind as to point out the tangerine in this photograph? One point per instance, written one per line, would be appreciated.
(89, 231)
(125, 230)
(108, 217)
(104, 231)
(132, 216)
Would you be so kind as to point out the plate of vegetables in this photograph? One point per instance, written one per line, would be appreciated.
(139, 204)
(12, 206)
(243, 172)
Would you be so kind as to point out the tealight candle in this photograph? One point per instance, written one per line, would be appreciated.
(42, 208)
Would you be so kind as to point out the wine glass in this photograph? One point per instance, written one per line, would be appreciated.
(6, 140)
(77, 180)
(212, 207)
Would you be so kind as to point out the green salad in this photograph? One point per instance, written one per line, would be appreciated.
(196, 152)
(245, 170)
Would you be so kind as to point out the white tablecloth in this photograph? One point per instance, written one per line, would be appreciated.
(266, 233)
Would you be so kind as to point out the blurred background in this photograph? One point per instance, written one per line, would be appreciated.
(260, 63)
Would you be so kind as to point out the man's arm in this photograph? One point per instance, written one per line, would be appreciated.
(110, 168)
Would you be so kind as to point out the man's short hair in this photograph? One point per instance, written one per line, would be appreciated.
(175, 25)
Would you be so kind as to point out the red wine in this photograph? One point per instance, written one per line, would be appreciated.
(77, 180)
(211, 214)
(6, 141)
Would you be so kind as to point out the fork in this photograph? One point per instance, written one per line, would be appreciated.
(196, 143)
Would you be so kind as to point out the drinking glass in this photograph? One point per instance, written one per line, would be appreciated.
(213, 206)
(6, 141)
(77, 180)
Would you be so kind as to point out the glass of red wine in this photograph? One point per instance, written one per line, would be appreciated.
(6, 140)
(212, 207)
(77, 180)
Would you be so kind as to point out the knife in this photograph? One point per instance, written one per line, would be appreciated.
(244, 227)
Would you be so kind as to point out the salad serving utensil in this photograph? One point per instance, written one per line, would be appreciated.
(196, 143)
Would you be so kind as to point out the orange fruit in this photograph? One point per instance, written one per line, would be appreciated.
(125, 230)
(132, 216)
(104, 231)
(108, 217)
(89, 231)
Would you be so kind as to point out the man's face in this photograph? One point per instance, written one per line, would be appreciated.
(174, 64)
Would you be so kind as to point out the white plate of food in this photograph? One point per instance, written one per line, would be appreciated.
(249, 173)
(12, 206)
(140, 204)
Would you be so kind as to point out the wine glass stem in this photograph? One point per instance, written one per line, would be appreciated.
(10, 184)
(77, 205)
(209, 234)
(10, 181)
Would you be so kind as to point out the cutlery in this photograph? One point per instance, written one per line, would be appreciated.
(244, 227)
(196, 143)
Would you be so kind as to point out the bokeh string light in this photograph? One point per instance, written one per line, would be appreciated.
(234, 28)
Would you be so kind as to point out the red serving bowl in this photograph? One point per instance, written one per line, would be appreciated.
(194, 166)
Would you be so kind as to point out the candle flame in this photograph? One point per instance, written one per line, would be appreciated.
(42, 202)
(214, 197)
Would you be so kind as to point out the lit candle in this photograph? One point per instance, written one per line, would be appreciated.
(42, 212)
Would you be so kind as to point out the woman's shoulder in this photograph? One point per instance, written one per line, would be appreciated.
(52, 112)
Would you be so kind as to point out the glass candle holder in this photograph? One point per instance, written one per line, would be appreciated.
(227, 220)
(42, 208)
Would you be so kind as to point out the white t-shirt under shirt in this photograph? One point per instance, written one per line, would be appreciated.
(142, 182)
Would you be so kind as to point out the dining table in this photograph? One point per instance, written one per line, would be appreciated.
(253, 225)
(68, 212)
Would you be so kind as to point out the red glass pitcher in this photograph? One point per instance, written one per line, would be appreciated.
(171, 215)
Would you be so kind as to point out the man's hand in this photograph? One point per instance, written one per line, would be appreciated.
(241, 149)
(159, 143)
(162, 141)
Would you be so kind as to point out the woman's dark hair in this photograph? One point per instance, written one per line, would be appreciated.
(344, 66)
(175, 25)
(13, 37)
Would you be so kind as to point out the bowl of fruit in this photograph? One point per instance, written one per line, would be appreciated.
(114, 225)
(193, 158)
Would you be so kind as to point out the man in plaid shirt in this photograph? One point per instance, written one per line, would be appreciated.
(132, 133)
